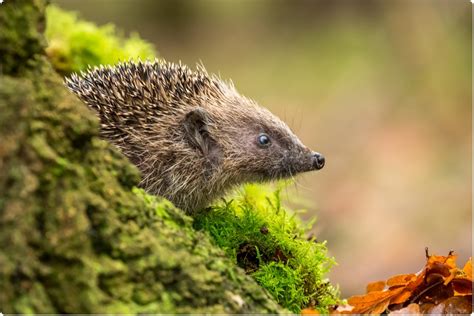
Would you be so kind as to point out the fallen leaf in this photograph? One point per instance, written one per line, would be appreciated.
(468, 269)
(372, 303)
(375, 286)
(462, 286)
(402, 297)
(309, 311)
(440, 287)
(401, 279)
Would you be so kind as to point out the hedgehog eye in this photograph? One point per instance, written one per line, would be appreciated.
(263, 140)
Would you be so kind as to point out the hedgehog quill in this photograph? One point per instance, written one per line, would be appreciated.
(192, 135)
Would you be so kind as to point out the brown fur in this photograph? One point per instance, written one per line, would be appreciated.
(192, 135)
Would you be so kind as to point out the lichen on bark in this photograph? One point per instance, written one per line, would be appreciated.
(75, 235)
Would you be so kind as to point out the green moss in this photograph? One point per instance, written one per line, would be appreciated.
(270, 243)
(74, 44)
(284, 283)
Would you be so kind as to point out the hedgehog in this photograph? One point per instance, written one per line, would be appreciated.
(192, 135)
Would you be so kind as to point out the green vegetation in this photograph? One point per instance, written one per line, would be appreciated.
(74, 44)
(96, 244)
(271, 244)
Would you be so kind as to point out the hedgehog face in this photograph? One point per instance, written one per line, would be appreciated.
(278, 153)
(267, 151)
(262, 149)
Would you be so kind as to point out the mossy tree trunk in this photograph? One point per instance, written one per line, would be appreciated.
(75, 237)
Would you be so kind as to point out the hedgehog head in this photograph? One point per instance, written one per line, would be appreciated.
(192, 135)
(247, 142)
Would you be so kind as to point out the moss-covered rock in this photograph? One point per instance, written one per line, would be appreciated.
(17, 47)
(75, 235)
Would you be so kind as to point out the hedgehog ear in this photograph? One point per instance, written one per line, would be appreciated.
(196, 126)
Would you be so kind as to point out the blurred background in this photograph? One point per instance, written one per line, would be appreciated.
(381, 88)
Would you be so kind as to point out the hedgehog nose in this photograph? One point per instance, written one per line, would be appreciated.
(318, 160)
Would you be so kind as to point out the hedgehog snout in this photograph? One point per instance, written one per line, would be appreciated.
(318, 160)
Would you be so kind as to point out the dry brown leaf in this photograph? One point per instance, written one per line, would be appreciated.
(402, 297)
(309, 311)
(372, 302)
(440, 286)
(375, 286)
(462, 286)
(378, 308)
(449, 261)
(452, 275)
(468, 269)
(401, 279)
